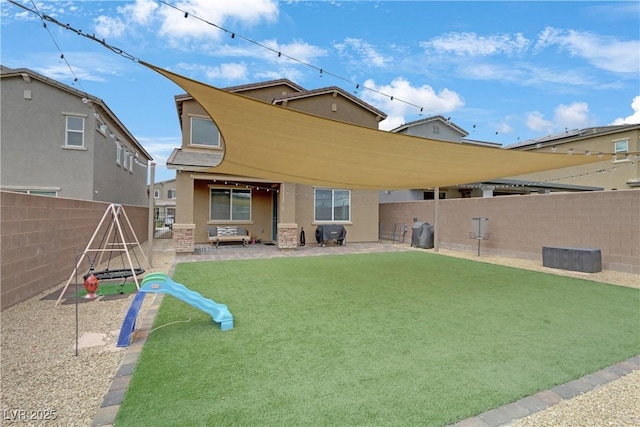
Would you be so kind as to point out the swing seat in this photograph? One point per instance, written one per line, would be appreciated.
(114, 274)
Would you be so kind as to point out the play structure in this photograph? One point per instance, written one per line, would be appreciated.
(116, 238)
(161, 283)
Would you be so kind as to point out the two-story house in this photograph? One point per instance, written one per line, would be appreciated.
(59, 141)
(164, 200)
(270, 210)
(439, 128)
(617, 146)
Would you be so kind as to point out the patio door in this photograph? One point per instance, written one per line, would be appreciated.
(274, 216)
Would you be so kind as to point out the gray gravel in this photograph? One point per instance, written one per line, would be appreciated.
(40, 372)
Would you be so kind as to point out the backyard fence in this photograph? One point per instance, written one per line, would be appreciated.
(41, 237)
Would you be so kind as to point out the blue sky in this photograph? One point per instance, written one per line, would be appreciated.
(504, 71)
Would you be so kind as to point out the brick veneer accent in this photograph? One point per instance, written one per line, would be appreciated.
(183, 240)
(287, 236)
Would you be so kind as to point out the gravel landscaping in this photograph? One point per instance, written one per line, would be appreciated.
(42, 377)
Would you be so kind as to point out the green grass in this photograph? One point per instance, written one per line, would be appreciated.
(388, 339)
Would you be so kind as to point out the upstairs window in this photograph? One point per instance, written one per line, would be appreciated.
(620, 149)
(332, 205)
(230, 205)
(118, 153)
(171, 194)
(75, 131)
(156, 194)
(204, 132)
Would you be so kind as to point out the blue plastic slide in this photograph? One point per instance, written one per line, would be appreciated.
(161, 283)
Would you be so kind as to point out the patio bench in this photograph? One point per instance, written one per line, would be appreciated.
(230, 233)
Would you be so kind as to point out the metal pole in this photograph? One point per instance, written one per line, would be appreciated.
(436, 226)
(151, 225)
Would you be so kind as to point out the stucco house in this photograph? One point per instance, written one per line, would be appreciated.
(164, 199)
(272, 212)
(618, 170)
(62, 142)
(442, 129)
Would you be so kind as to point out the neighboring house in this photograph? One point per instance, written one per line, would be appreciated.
(59, 141)
(164, 198)
(442, 129)
(272, 211)
(616, 172)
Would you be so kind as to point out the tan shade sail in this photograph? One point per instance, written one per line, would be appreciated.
(275, 143)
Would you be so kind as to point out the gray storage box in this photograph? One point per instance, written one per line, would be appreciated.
(422, 235)
(587, 260)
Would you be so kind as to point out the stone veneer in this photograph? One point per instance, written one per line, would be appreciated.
(183, 240)
(287, 236)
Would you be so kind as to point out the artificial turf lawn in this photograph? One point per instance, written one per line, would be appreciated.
(110, 289)
(404, 338)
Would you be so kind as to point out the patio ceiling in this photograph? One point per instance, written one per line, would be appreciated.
(283, 145)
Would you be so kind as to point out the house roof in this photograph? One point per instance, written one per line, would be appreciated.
(286, 145)
(192, 160)
(531, 185)
(437, 118)
(299, 93)
(330, 90)
(572, 135)
(25, 74)
(261, 85)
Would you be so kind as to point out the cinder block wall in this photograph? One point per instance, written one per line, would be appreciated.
(520, 226)
(41, 237)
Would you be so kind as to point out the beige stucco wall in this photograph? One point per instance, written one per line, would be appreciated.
(41, 237)
(363, 226)
(520, 226)
(606, 174)
(261, 206)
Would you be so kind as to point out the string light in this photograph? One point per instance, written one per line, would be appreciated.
(234, 35)
(129, 56)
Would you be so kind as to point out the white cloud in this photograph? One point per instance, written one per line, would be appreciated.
(108, 27)
(228, 72)
(535, 121)
(141, 12)
(404, 95)
(634, 118)
(363, 52)
(603, 52)
(178, 28)
(572, 116)
(302, 51)
(472, 44)
(160, 148)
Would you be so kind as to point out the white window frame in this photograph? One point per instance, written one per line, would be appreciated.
(215, 143)
(231, 191)
(118, 153)
(156, 193)
(617, 150)
(130, 162)
(171, 194)
(125, 159)
(68, 131)
(333, 207)
(101, 127)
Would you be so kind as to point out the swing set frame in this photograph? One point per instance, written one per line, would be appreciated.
(119, 235)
